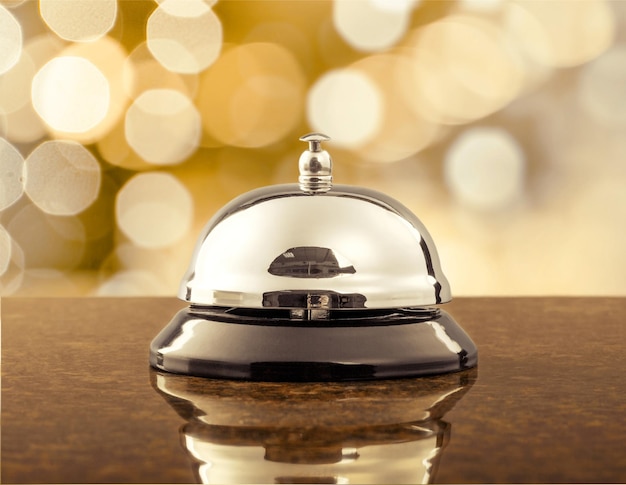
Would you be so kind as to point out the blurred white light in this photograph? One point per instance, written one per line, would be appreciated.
(370, 25)
(10, 40)
(602, 86)
(184, 35)
(463, 70)
(79, 21)
(11, 182)
(561, 33)
(11, 263)
(253, 95)
(5, 250)
(71, 94)
(62, 177)
(395, 5)
(154, 209)
(484, 168)
(346, 103)
(163, 126)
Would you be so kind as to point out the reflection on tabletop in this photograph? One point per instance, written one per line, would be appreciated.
(360, 432)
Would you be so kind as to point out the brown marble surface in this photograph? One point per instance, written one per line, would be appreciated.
(547, 402)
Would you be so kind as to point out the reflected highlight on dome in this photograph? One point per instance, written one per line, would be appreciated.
(163, 126)
(346, 103)
(10, 40)
(71, 94)
(484, 168)
(184, 35)
(11, 182)
(62, 177)
(79, 21)
(154, 210)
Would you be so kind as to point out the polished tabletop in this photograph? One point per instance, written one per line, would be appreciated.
(546, 403)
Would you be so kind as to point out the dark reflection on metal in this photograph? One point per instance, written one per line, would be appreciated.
(306, 299)
(366, 432)
(308, 262)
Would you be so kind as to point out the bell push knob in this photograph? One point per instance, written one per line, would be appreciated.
(315, 165)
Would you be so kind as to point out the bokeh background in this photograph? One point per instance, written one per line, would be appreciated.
(124, 125)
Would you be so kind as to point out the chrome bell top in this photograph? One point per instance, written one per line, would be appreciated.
(315, 245)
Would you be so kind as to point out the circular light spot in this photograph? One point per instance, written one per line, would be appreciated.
(154, 209)
(402, 131)
(10, 40)
(11, 264)
(346, 104)
(462, 70)
(24, 125)
(163, 126)
(252, 96)
(370, 25)
(83, 20)
(561, 34)
(143, 72)
(62, 177)
(11, 166)
(109, 57)
(184, 35)
(5, 250)
(484, 168)
(602, 86)
(71, 94)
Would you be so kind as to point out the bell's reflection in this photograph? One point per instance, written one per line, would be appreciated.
(360, 432)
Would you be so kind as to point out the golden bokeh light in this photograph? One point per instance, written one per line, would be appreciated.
(555, 34)
(184, 35)
(11, 263)
(163, 126)
(402, 131)
(11, 181)
(125, 125)
(154, 210)
(484, 168)
(602, 87)
(143, 72)
(79, 20)
(346, 103)
(71, 94)
(64, 238)
(108, 56)
(252, 96)
(10, 40)
(5, 250)
(462, 71)
(371, 25)
(62, 177)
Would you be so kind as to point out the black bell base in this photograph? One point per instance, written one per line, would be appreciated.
(217, 344)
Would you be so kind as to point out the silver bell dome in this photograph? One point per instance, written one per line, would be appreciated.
(315, 245)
